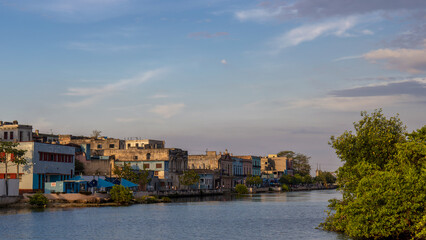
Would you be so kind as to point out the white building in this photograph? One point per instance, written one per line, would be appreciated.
(144, 144)
(46, 163)
(13, 131)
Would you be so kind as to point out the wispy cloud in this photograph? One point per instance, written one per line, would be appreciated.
(201, 35)
(413, 87)
(369, 97)
(347, 58)
(405, 60)
(168, 110)
(337, 27)
(283, 10)
(94, 94)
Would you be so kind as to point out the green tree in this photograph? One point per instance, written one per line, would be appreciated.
(79, 167)
(325, 178)
(120, 194)
(253, 180)
(16, 155)
(189, 178)
(140, 177)
(241, 189)
(383, 180)
(285, 179)
(300, 162)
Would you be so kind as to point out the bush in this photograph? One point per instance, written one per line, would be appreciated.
(285, 188)
(166, 199)
(241, 189)
(38, 200)
(120, 194)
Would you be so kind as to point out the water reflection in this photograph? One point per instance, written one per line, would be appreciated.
(292, 215)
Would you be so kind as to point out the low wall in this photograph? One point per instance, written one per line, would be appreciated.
(4, 200)
(13, 187)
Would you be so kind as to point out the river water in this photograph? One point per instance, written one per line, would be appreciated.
(293, 215)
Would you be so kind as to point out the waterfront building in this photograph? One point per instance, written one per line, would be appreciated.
(208, 161)
(251, 165)
(144, 144)
(97, 145)
(226, 171)
(168, 163)
(207, 179)
(93, 165)
(45, 137)
(15, 132)
(275, 166)
(46, 163)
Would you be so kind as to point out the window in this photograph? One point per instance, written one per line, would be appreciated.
(156, 173)
(158, 165)
(146, 165)
(5, 135)
(137, 144)
(11, 135)
(148, 156)
(111, 146)
(135, 157)
(100, 146)
(128, 145)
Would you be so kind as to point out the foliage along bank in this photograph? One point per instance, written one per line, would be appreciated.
(383, 180)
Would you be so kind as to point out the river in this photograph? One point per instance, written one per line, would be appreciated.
(293, 215)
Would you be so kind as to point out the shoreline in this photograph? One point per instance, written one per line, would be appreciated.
(93, 201)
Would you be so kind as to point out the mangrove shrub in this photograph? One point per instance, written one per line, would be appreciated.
(383, 180)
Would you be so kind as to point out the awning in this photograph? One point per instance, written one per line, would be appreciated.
(128, 184)
(104, 184)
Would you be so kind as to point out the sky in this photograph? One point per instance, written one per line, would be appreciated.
(252, 77)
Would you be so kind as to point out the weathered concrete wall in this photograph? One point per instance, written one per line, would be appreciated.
(208, 161)
(144, 144)
(96, 145)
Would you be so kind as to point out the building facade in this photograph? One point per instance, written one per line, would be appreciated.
(15, 132)
(144, 144)
(46, 163)
(97, 145)
(174, 161)
(208, 161)
(226, 171)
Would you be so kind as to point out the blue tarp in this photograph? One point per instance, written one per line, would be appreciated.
(104, 184)
(127, 184)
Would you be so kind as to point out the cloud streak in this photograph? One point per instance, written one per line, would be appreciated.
(372, 96)
(312, 31)
(282, 10)
(405, 60)
(168, 110)
(94, 94)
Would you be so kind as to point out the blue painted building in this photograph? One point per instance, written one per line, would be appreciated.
(206, 179)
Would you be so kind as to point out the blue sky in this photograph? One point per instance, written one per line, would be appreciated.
(253, 77)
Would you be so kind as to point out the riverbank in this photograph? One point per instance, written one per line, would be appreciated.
(212, 217)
